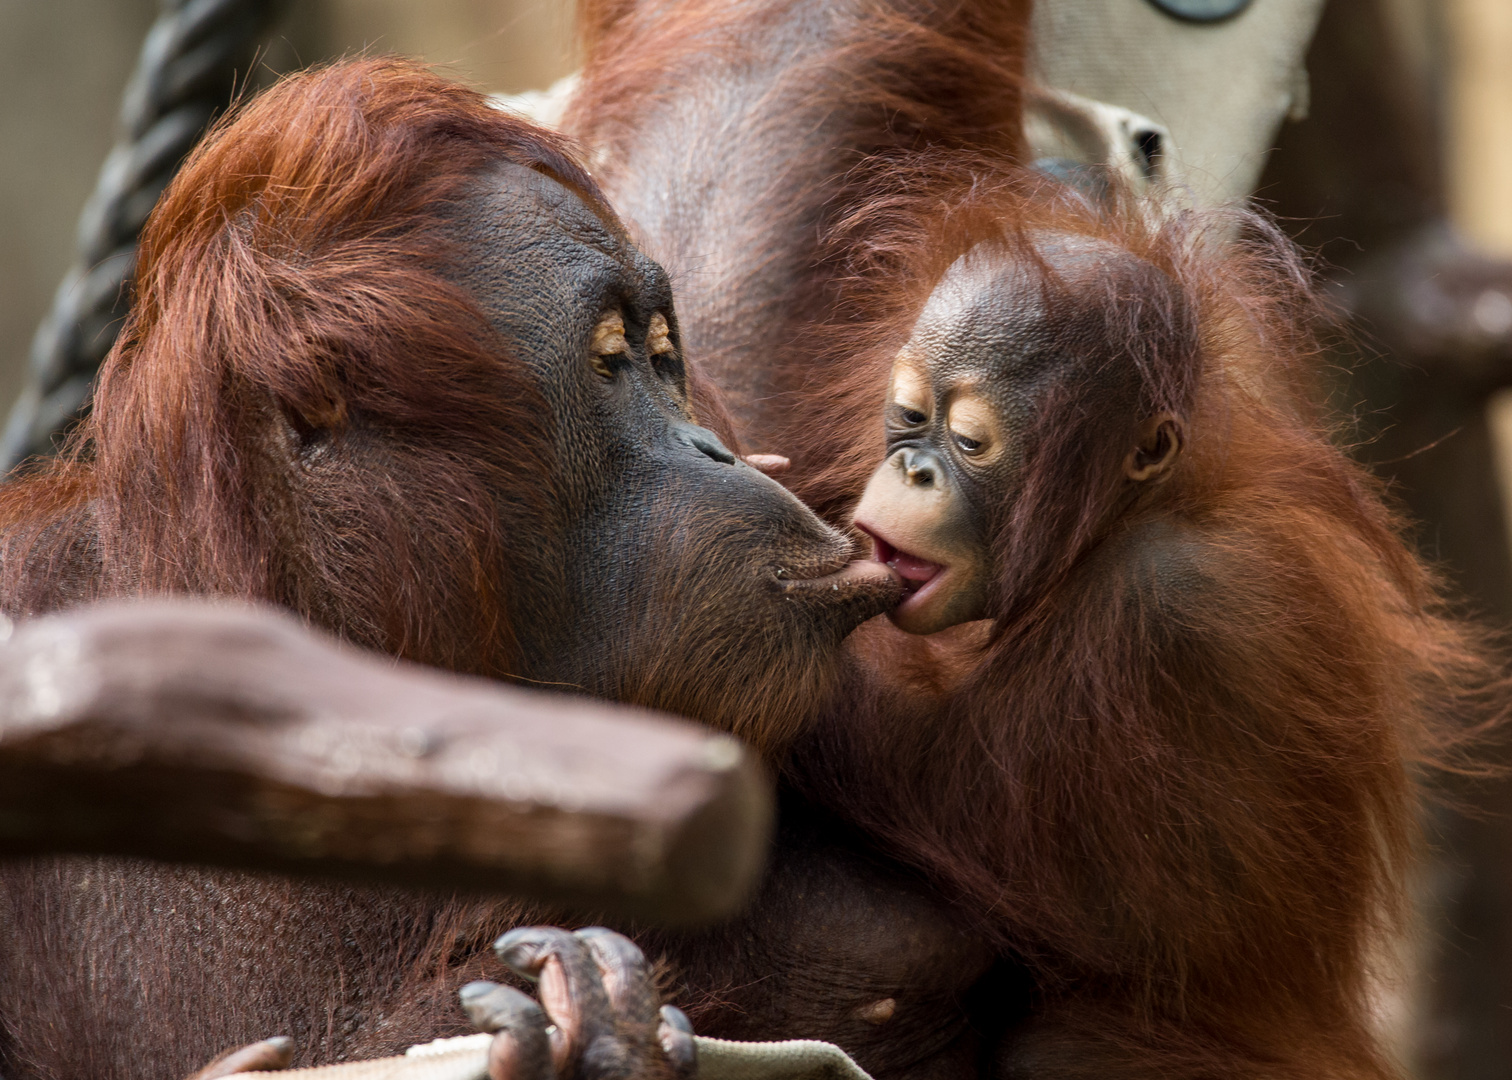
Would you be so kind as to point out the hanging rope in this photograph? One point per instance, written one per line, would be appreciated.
(187, 71)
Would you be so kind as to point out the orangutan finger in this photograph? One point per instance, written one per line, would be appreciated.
(569, 986)
(270, 1055)
(770, 464)
(675, 1033)
(521, 1049)
(625, 974)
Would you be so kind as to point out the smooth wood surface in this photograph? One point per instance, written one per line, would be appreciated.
(228, 735)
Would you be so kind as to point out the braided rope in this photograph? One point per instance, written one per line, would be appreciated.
(187, 70)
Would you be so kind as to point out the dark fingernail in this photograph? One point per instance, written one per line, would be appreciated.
(475, 990)
(607, 945)
(676, 1018)
(491, 1006)
(520, 949)
(676, 1037)
(280, 1050)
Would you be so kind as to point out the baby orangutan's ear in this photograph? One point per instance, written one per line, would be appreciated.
(312, 398)
(1160, 441)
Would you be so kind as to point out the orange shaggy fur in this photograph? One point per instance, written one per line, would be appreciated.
(1174, 772)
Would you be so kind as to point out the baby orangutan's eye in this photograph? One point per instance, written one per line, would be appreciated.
(912, 417)
(968, 445)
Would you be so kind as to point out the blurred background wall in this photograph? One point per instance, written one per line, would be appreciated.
(1402, 177)
(62, 66)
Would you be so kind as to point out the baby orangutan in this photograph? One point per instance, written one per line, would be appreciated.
(965, 391)
(1150, 706)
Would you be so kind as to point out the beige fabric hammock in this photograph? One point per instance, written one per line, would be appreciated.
(466, 1058)
(1220, 90)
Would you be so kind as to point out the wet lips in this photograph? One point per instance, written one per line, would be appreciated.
(915, 572)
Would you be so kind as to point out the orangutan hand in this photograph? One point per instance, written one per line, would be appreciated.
(597, 1018)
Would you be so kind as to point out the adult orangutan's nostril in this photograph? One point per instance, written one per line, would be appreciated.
(715, 449)
(704, 441)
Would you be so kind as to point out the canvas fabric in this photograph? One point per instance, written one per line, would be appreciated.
(1220, 89)
(466, 1058)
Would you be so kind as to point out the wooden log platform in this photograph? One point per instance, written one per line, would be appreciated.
(230, 735)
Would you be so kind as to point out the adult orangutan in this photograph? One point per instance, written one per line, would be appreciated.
(344, 388)
(392, 364)
(1178, 660)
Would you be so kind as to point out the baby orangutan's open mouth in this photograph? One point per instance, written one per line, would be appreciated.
(921, 578)
(915, 572)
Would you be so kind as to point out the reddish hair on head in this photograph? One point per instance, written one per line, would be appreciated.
(292, 287)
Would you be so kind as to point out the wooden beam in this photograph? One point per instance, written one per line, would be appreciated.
(230, 735)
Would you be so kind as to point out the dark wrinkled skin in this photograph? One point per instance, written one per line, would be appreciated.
(966, 389)
(657, 513)
(986, 329)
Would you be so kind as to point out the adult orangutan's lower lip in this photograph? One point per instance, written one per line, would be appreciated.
(861, 578)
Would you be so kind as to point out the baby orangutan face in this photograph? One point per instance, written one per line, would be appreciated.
(922, 507)
(966, 391)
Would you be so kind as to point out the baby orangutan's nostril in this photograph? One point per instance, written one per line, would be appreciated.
(918, 470)
(704, 441)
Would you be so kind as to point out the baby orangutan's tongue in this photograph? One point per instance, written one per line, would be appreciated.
(915, 572)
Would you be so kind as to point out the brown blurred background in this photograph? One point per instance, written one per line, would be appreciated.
(1401, 176)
